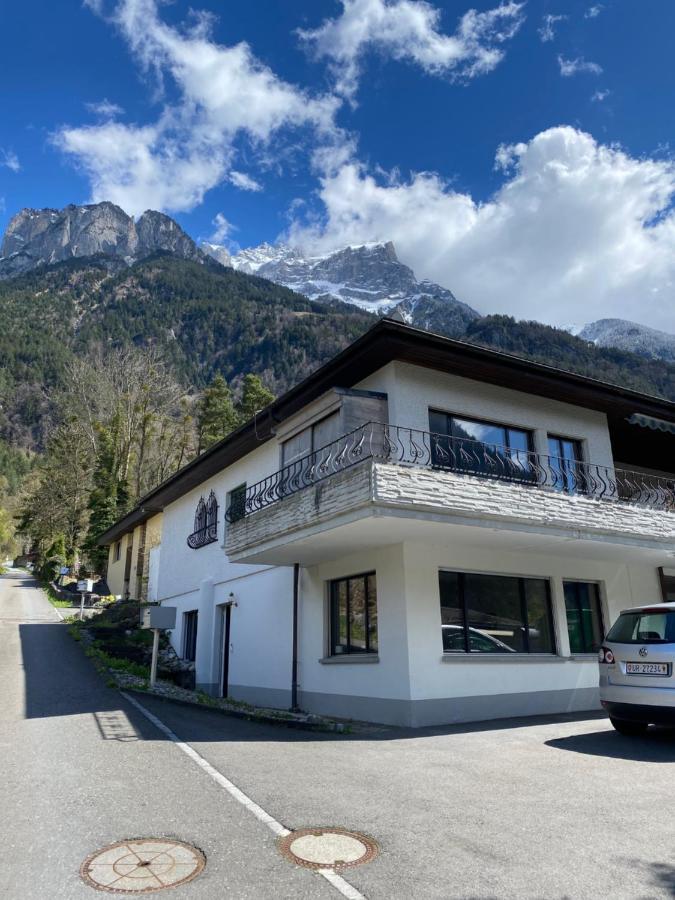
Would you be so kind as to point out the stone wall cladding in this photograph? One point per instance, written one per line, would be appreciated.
(468, 495)
(383, 485)
(311, 506)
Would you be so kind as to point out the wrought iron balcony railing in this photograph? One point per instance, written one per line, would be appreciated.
(410, 447)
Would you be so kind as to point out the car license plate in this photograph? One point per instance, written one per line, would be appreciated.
(640, 668)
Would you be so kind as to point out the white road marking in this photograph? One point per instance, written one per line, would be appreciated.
(331, 876)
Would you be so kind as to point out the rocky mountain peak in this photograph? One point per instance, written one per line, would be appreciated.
(369, 276)
(37, 237)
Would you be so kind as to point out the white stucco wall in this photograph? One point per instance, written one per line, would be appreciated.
(413, 682)
(413, 390)
(431, 676)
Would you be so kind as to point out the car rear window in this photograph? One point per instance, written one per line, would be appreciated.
(648, 627)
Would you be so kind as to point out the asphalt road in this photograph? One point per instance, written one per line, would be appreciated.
(556, 808)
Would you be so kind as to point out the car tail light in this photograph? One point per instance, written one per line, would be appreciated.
(605, 655)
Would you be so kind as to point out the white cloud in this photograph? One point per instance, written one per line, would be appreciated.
(224, 93)
(547, 30)
(222, 229)
(578, 231)
(593, 11)
(105, 109)
(599, 96)
(9, 159)
(569, 67)
(244, 182)
(409, 30)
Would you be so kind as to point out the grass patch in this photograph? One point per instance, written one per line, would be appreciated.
(54, 600)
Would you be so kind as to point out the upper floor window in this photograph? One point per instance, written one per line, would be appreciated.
(310, 439)
(118, 552)
(236, 503)
(484, 448)
(353, 615)
(206, 523)
(565, 460)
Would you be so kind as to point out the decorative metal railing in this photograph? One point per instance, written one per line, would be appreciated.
(411, 447)
(206, 523)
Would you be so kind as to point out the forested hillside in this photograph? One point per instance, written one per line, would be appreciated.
(202, 320)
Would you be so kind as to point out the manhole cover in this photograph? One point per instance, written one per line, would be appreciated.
(328, 848)
(141, 866)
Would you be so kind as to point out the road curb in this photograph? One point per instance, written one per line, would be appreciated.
(325, 727)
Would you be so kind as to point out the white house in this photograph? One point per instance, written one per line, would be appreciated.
(421, 532)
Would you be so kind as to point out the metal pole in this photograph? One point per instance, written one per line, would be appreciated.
(294, 674)
(155, 651)
(81, 605)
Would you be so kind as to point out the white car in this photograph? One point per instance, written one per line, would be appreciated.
(637, 668)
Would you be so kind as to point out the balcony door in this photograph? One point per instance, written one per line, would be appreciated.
(480, 447)
(565, 464)
(304, 451)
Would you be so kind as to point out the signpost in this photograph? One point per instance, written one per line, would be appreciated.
(85, 586)
(157, 618)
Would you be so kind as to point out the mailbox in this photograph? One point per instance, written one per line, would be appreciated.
(158, 617)
(86, 586)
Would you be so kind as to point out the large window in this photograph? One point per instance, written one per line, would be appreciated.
(353, 615)
(565, 463)
(584, 616)
(484, 448)
(495, 614)
(190, 635)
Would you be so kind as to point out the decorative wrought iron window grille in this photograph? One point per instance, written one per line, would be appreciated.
(206, 523)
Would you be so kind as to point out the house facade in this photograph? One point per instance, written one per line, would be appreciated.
(422, 532)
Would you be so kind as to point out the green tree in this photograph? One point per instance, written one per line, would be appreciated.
(254, 397)
(216, 415)
(109, 497)
(54, 506)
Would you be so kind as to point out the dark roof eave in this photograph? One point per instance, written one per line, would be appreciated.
(385, 342)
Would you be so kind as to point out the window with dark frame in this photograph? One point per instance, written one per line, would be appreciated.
(353, 615)
(495, 614)
(480, 447)
(584, 616)
(236, 507)
(190, 620)
(118, 551)
(565, 458)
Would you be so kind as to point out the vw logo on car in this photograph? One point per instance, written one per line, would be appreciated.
(643, 651)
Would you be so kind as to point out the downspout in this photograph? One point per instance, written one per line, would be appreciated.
(294, 670)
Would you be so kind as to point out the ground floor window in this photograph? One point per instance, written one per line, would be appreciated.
(190, 635)
(353, 615)
(495, 614)
(584, 616)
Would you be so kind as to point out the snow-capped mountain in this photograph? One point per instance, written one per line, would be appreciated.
(370, 277)
(626, 335)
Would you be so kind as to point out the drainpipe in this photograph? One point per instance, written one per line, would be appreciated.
(294, 671)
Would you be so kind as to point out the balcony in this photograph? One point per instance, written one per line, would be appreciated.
(382, 471)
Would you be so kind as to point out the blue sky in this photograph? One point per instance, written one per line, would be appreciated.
(519, 155)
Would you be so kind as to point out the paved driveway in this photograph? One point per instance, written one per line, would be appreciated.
(556, 808)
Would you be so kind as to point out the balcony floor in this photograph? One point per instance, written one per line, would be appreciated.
(375, 504)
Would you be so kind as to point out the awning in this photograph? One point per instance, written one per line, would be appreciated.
(650, 422)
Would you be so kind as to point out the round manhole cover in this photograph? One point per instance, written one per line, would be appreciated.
(141, 866)
(328, 848)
